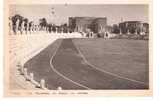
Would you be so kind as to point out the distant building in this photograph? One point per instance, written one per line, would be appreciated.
(85, 24)
(133, 27)
(146, 27)
(109, 29)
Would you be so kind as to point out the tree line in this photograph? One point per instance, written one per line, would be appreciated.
(20, 23)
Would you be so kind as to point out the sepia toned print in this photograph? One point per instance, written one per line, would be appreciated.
(77, 49)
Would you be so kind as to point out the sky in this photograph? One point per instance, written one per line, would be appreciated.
(114, 13)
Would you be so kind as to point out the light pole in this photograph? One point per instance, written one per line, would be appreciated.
(52, 17)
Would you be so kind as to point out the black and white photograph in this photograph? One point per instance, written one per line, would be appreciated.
(78, 47)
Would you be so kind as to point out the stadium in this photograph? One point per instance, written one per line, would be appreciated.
(83, 54)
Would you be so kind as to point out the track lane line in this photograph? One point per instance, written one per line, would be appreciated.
(93, 66)
(60, 74)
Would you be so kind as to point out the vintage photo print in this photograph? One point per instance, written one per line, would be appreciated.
(77, 49)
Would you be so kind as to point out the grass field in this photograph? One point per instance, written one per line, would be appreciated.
(126, 58)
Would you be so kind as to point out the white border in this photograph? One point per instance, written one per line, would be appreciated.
(72, 2)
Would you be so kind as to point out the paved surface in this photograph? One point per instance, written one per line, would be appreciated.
(67, 68)
(40, 66)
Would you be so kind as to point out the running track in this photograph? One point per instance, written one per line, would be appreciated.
(62, 64)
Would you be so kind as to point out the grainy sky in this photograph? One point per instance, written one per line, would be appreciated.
(114, 13)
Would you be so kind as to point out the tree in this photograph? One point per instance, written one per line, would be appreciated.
(54, 28)
(64, 27)
(20, 24)
(42, 23)
(14, 20)
(30, 25)
(26, 24)
(49, 26)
